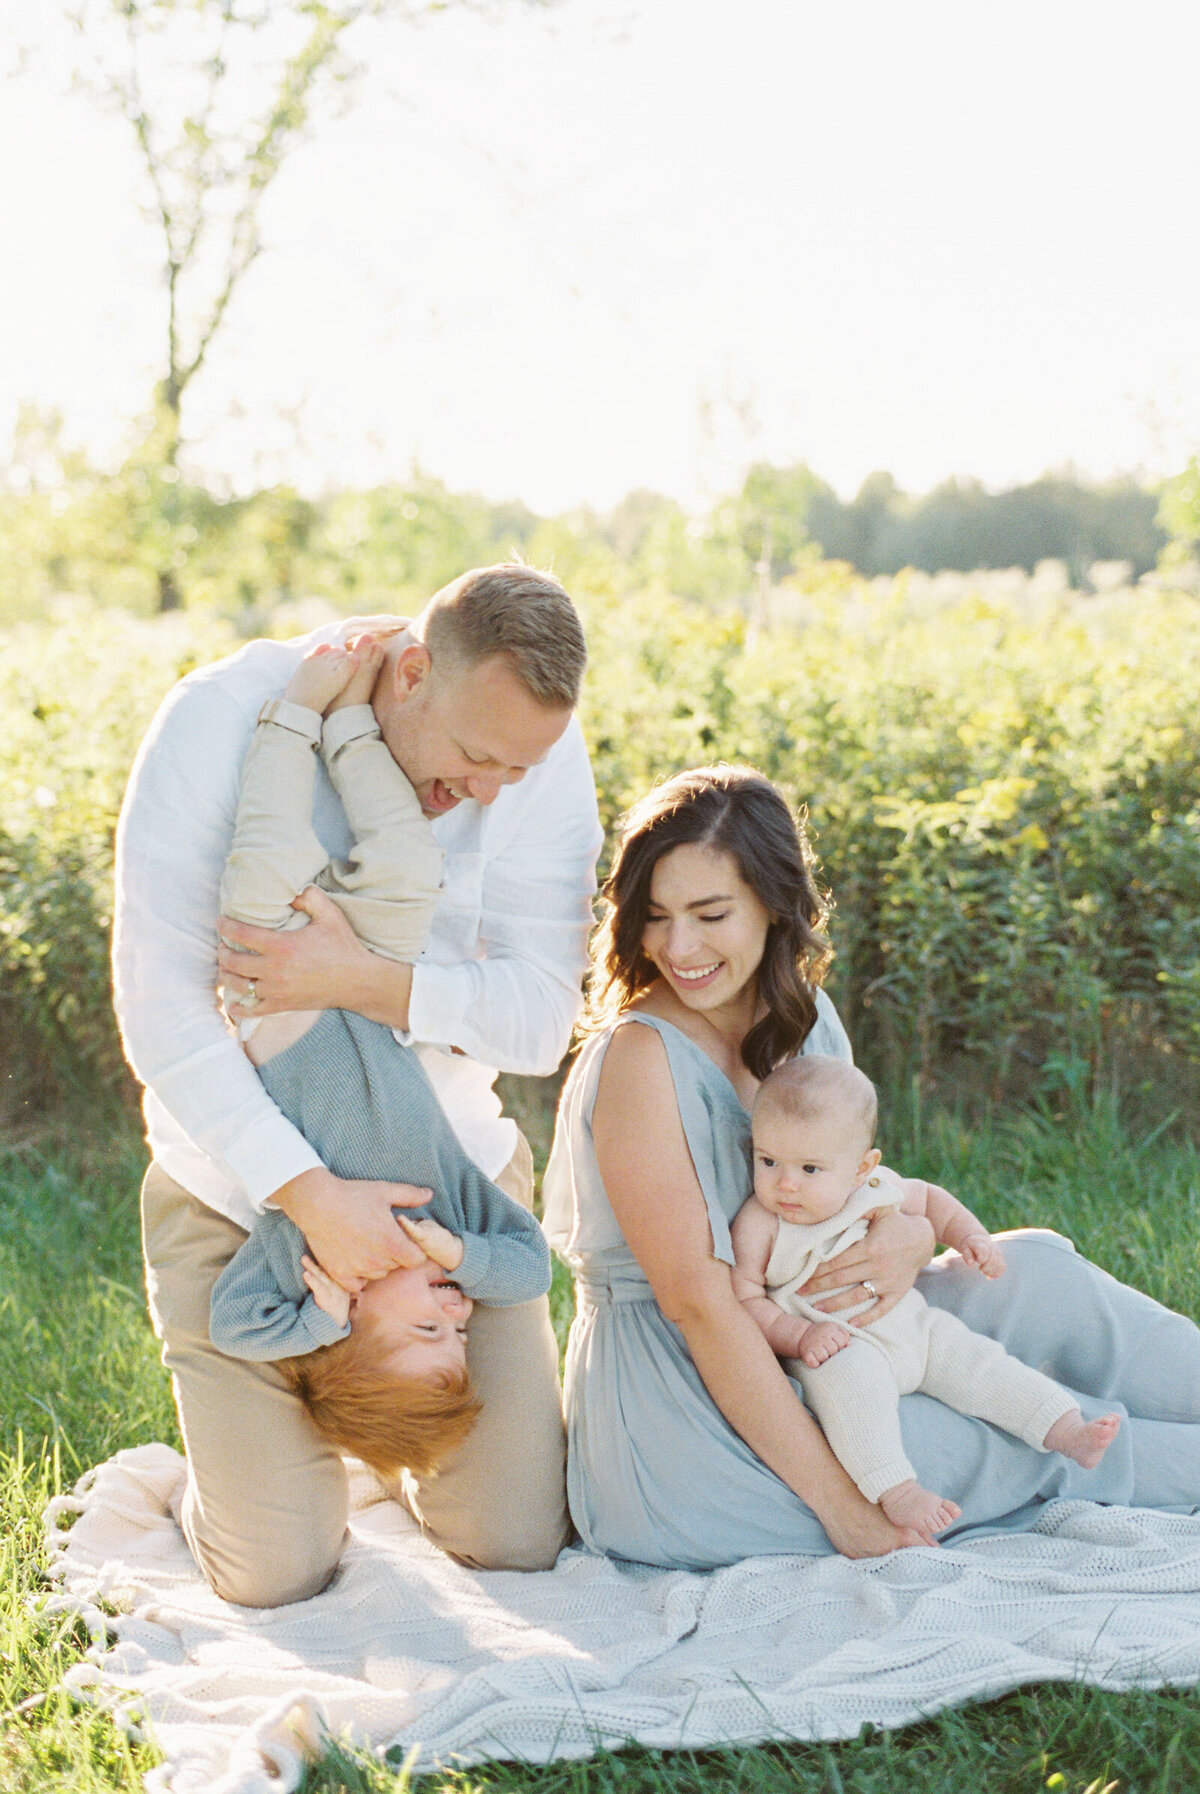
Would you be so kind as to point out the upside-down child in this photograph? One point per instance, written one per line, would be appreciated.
(381, 1368)
(818, 1183)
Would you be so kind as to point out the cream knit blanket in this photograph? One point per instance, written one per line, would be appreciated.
(407, 1652)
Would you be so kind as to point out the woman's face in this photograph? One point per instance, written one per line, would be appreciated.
(705, 928)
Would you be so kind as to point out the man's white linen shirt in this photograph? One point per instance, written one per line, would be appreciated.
(499, 979)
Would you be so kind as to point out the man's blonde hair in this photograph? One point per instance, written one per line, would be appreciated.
(516, 611)
(808, 1087)
(391, 1422)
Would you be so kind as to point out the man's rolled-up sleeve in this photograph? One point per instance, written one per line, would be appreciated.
(515, 1007)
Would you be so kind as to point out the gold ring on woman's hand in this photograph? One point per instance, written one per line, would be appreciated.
(870, 1289)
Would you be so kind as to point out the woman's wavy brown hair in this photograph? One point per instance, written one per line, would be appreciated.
(737, 810)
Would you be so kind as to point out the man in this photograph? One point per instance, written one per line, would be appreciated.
(475, 703)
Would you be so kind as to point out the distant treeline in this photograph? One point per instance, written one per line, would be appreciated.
(962, 526)
(144, 534)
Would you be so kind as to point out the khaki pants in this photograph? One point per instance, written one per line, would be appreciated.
(266, 1503)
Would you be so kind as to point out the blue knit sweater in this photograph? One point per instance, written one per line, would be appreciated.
(365, 1104)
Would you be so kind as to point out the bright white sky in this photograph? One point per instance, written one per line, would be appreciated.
(642, 242)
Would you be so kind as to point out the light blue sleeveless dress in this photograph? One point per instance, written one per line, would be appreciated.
(656, 1475)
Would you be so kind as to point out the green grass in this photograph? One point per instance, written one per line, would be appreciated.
(79, 1378)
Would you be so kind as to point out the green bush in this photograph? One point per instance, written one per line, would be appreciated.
(1006, 809)
(75, 700)
(1005, 805)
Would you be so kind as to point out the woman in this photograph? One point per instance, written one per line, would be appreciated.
(689, 1447)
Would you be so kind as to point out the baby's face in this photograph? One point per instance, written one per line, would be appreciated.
(420, 1317)
(805, 1171)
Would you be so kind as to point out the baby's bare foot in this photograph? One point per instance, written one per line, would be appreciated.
(908, 1504)
(321, 675)
(366, 658)
(1086, 1441)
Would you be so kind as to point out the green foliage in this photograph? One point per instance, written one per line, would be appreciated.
(1006, 809)
(75, 700)
(1179, 512)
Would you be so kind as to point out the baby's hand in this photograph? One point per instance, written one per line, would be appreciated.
(329, 1296)
(322, 674)
(823, 1340)
(981, 1251)
(366, 657)
(436, 1242)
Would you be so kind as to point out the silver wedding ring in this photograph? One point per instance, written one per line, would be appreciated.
(870, 1289)
(250, 996)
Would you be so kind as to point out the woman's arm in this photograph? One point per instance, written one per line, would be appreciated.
(652, 1186)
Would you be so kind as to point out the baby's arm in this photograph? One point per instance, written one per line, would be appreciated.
(261, 1307)
(788, 1335)
(953, 1224)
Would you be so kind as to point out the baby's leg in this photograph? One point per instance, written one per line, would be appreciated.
(976, 1376)
(855, 1397)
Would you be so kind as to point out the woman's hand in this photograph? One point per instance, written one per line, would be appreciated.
(864, 1530)
(895, 1248)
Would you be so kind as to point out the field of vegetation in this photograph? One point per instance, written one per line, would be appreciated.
(1003, 788)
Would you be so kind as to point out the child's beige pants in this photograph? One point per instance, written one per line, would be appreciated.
(855, 1394)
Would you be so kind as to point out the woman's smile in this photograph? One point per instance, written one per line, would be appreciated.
(705, 928)
(698, 975)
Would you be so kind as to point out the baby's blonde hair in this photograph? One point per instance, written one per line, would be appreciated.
(391, 1422)
(803, 1089)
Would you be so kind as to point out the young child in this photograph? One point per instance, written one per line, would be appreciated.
(381, 1370)
(818, 1183)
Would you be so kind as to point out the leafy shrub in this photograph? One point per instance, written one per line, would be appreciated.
(75, 699)
(1005, 802)
(1006, 806)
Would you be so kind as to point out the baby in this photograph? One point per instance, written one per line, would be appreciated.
(382, 1369)
(818, 1184)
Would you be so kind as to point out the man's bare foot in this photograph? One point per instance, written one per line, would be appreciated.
(908, 1504)
(1086, 1441)
(321, 675)
(366, 657)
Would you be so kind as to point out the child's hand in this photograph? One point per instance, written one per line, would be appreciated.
(329, 1296)
(981, 1251)
(322, 674)
(436, 1242)
(823, 1340)
(366, 657)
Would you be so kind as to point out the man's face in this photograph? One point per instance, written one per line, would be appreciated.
(463, 733)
